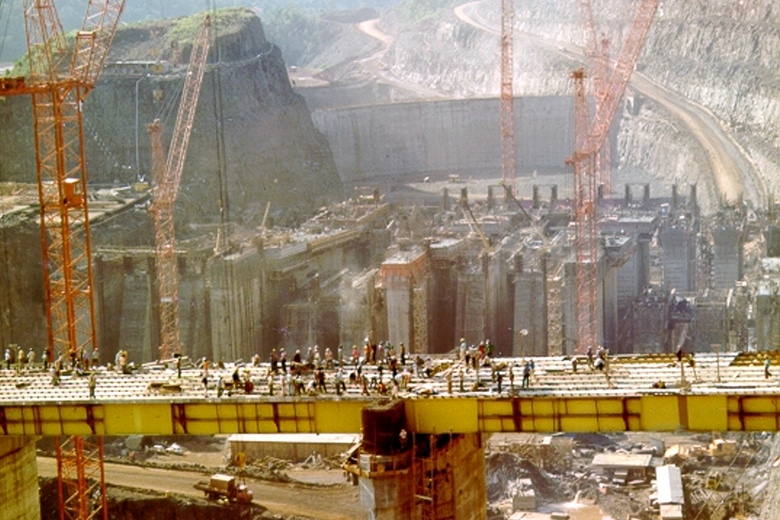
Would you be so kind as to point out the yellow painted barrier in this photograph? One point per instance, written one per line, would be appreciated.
(608, 413)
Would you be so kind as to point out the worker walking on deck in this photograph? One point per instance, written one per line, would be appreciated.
(92, 385)
(767, 363)
(526, 375)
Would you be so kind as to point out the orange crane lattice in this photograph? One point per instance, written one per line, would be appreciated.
(61, 76)
(597, 53)
(507, 95)
(585, 169)
(167, 177)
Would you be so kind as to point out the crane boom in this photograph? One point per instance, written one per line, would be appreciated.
(167, 178)
(507, 101)
(597, 53)
(588, 140)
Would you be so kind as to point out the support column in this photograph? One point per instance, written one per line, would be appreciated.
(19, 479)
(419, 476)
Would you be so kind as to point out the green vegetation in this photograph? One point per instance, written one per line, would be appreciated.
(297, 32)
(13, 40)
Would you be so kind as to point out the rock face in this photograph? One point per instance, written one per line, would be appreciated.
(721, 55)
(252, 141)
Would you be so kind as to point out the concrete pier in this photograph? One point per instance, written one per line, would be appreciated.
(19, 479)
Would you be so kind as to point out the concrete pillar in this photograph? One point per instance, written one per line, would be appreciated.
(610, 309)
(444, 480)
(19, 479)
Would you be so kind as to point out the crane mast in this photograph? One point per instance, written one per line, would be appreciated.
(167, 177)
(588, 141)
(60, 79)
(508, 168)
(597, 54)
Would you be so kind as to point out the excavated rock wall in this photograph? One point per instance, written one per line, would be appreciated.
(720, 54)
(252, 141)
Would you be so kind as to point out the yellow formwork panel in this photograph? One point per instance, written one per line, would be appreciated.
(150, 418)
(761, 423)
(255, 418)
(707, 412)
(496, 407)
(580, 424)
(49, 416)
(338, 416)
(581, 406)
(759, 404)
(539, 407)
(196, 412)
(660, 413)
(442, 415)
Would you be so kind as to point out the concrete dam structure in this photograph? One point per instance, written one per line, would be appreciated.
(454, 137)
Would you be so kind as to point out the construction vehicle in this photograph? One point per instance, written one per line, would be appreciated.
(225, 487)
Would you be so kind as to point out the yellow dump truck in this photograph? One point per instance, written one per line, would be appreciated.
(225, 487)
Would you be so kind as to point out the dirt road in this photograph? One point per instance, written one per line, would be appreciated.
(315, 502)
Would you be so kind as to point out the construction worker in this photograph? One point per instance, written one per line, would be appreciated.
(511, 378)
(767, 363)
(526, 375)
(220, 386)
(692, 364)
(339, 380)
(92, 384)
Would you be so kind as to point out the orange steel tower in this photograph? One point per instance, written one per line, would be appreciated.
(585, 170)
(597, 53)
(167, 176)
(507, 95)
(60, 79)
(61, 76)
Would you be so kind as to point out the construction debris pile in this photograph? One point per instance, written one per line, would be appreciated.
(624, 476)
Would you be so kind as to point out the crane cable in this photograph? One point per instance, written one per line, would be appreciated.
(7, 13)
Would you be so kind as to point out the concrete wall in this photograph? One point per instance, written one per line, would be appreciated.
(294, 447)
(530, 310)
(19, 479)
(679, 257)
(458, 137)
(727, 242)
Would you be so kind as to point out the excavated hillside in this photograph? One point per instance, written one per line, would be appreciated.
(252, 143)
(718, 55)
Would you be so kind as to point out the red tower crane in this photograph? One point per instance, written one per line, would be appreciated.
(507, 99)
(167, 176)
(597, 53)
(584, 163)
(61, 76)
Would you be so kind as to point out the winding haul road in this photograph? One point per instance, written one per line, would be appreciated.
(316, 502)
(733, 173)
